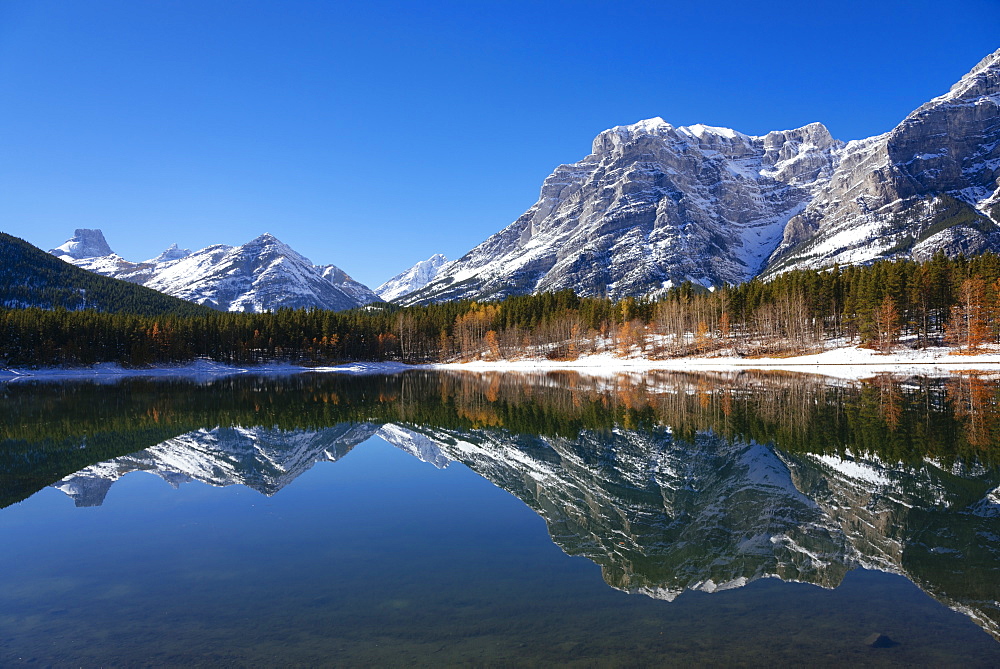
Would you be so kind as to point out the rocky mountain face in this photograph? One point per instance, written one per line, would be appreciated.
(412, 279)
(650, 207)
(931, 184)
(261, 275)
(654, 205)
(84, 244)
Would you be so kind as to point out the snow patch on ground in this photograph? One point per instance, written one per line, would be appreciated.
(845, 362)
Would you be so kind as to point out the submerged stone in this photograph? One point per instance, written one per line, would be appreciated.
(880, 641)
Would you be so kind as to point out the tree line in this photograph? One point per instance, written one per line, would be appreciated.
(939, 301)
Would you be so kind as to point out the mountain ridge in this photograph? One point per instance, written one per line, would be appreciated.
(263, 274)
(654, 205)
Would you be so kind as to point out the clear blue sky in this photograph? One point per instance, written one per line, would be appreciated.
(374, 134)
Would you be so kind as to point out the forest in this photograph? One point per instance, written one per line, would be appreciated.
(32, 277)
(940, 301)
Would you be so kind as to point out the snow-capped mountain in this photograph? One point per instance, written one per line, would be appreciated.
(654, 204)
(412, 279)
(262, 275)
(84, 244)
(932, 183)
(650, 207)
(172, 252)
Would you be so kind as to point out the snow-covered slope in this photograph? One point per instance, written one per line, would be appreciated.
(932, 183)
(654, 204)
(261, 275)
(83, 244)
(412, 279)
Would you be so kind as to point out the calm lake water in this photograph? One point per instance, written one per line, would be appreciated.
(501, 520)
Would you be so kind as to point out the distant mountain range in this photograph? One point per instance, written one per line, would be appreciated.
(30, 277)
(262, 275)
(654, 205)
(412, 279)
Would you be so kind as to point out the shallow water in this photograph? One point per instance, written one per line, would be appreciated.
(499, 547)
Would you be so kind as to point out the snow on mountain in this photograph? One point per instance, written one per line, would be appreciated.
(931, 184)
(172, 252)
(361, 293)
(412, 279)
(263, 459)
(654, 205)
(83, 244)
(262, 275)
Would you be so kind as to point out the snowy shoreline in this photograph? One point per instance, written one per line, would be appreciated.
(844, 363)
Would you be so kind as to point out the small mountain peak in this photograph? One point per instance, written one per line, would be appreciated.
(991, 61)
(173, 252)
(85, 243)
(983, 79)
(412, 279)
(267, 240)
(650, 125)
(700, 130)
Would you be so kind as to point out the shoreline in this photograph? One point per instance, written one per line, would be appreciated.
(846, 362)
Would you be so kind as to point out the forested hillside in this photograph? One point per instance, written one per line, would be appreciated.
(942, 301)
(30, 277)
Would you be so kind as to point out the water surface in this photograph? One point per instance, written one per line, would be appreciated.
(501, 520)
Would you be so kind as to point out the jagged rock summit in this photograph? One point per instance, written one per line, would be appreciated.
(412, 279)
(930, 184)
(84, 244)
(654, 205)
(262, 275)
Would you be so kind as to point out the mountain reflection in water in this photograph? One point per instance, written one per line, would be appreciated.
(668, 481)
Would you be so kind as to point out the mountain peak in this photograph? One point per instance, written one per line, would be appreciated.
(261, 275)
(699, 130)
(412, 279)
(172, 252)
(85, 243)
(981, 80)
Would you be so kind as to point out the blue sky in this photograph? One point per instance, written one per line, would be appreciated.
(372, 135)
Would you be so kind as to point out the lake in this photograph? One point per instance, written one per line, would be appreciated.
(447, 518)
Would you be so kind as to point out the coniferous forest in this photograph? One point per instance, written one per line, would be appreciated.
(32, 277)
(941, 301)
